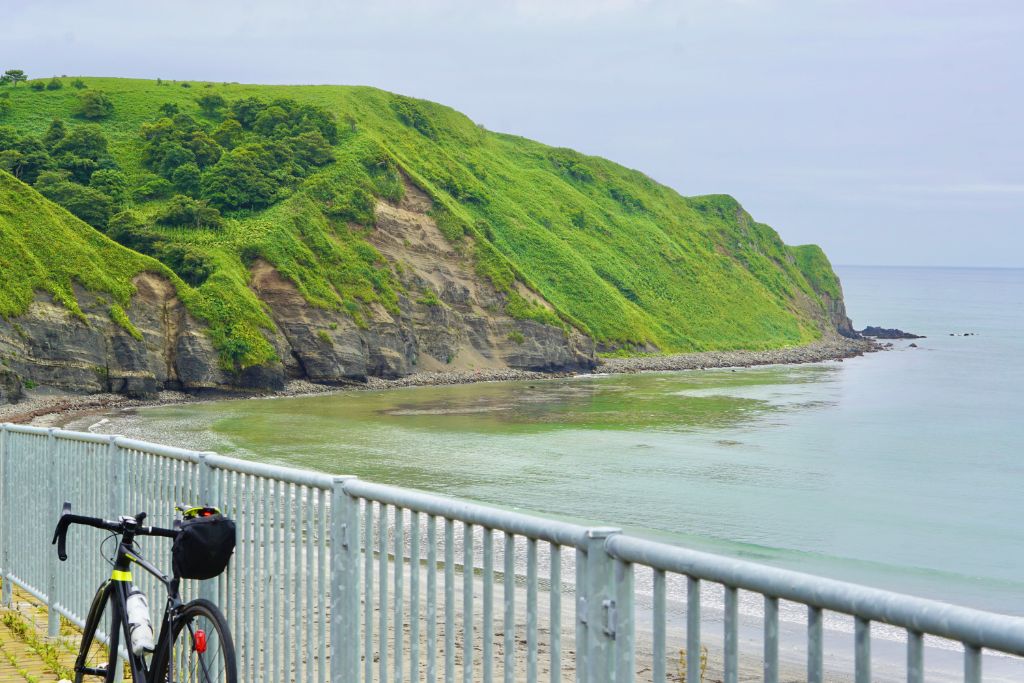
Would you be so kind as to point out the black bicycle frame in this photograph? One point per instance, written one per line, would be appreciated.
(116, 588)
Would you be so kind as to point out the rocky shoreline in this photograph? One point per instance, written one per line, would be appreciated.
(56, 409)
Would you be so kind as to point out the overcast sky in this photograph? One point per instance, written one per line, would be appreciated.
(888, 131)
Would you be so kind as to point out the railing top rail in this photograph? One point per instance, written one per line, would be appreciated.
(995, 631)
(287, 474)
(85, 437)
(259, 469)
(156, 449)
(553, 531)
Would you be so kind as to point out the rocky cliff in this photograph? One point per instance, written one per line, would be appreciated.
(448, 318)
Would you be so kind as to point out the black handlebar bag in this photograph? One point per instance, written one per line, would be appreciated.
(203, 547)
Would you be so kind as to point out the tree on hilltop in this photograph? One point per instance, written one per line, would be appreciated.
(14, 76)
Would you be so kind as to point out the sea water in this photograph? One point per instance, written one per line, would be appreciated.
(902, 469)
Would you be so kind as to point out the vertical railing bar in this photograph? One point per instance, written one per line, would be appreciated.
(972, 663)
(399, 604)
(449, 600)
(368, 591)
(431, 615)
(862, 650)
(731, 644)
(285, 548)
(488, 607)
(467, 603)
(308, 562)
(509, 621)
(323, 570)
(249, 664)
(414, 596)
(771, 639)
(267, 579)
(693, 651)
(915, 657)
(52, 617)
(299, 583)
(531, 610)
(281, 492)
(555, 596)
(623, 622)
(382, 604)
(659, 626)
(815, 654)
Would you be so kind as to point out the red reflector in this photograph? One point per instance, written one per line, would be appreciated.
(199, 641)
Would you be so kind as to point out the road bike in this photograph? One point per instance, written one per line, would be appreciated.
(194, 643)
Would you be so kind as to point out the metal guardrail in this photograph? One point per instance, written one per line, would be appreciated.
(338, 579)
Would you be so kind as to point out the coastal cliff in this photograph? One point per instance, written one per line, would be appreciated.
(422, 244)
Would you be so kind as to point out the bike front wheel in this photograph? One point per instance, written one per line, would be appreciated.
(200, 649)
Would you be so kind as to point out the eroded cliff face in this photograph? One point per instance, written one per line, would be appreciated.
(10, 386)
(52, 346)
(448, 318)
(838, 317)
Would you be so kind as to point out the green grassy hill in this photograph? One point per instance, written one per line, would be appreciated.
(616, 255)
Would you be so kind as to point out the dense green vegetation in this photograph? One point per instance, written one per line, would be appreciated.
(817, 269)
(210, 177)
(48, 260)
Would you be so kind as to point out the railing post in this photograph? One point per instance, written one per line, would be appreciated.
(5, 513)
(597, 609)
(345, 596)
(209, 494)
(117, 471)
(52, 618)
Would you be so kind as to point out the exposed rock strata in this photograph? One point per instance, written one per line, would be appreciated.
(447, 319)
(10, 386)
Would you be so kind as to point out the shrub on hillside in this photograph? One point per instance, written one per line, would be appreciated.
(93, 104)
(87, 203)
(185, 211)
(23, 157)
(112, 183)
(54, 134)
(211, 104)
(240, 180)
(153, 187)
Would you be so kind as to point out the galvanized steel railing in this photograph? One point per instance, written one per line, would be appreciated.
(339, 579)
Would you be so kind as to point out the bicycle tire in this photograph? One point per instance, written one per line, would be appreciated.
(92, 655)
(182, 662)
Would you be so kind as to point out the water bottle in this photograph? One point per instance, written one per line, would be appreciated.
(138, 620)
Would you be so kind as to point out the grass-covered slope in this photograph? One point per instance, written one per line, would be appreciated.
(44, 248)
(622, 258)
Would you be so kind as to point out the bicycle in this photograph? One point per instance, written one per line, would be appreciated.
(194, 642)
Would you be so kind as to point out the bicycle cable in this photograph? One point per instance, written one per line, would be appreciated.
(102, 553)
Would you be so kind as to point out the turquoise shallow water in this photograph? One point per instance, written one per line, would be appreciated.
(902, 469)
